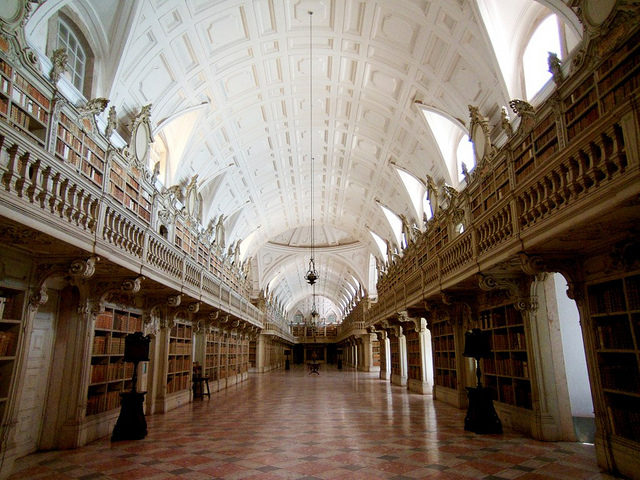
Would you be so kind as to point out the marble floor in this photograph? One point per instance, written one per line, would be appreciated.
(338, 425)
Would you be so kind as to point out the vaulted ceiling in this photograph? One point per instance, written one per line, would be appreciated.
(229, 84)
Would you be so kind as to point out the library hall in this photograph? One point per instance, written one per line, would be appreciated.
(320, 239)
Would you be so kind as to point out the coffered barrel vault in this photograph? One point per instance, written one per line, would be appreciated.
(229, 87)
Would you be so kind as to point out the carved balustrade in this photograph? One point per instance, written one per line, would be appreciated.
(533, 180)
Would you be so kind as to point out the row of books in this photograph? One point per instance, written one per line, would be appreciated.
(179, 364)
(103, 345)
(614, 333)
(32, 91)
(621, 376)
(181, 331)
(103, 402)
(180, 348)
(510, 341)
(118, 321)
(446, 378)
(8, 343)
(178, 382)
(444, 343)
(443, 361)
(107, 372)
(607, 297)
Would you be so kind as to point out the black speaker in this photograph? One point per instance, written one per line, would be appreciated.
(136, 347)
(477, 344)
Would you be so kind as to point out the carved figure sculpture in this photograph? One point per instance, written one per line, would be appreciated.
(112, 122)
(526, 113)
(555, 67)
(505, 122)
(59, 61)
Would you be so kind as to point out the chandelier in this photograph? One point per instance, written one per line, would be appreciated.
(312, 274)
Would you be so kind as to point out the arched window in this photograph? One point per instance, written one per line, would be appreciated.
(76, 55)
(545, 39)
(465, 158)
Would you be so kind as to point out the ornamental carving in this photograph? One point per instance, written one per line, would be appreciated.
(83, 268)
(132, 285)
(480, 135)
(174, 300)
(59, 60)
(527, 115)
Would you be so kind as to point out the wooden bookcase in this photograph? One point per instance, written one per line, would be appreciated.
(11, 318)
(180, 357)
(614, 309)
(506, 372)
(126, 188)
(232, 356)
(252, 354)
(75, 147)
(413, 355)
(581, 107)
(186, 240)
(211, 356)
(224, 352)
(375, 353)
(395, 355)
(619, 75)
(244, 362)
(109, 374)
(444, 355)
(23, 104)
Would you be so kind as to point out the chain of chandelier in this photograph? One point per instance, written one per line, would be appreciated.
(312, 275)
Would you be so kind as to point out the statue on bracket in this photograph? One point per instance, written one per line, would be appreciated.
(480, 136)
(555, 68)
(527, 115)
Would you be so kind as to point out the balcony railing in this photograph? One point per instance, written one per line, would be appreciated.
(573, 162)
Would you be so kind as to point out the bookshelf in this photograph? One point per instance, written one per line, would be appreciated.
(619, 75)
(186, 240)
(614, 308)
(180, 357)
(413, 355)
(75, 147)
(395, 355)
(211, 356)
(224, 350)
(244, 362)
(232, 356)
(125, 187)
(11, 308)
(580, 107)
(109, 374)
(545, 139)
(375, 353)
(23, 104)
(252, 354)
(444, 355)
(506, 372)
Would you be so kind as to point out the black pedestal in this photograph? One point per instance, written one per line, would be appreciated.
(286, 364)
(481, 416)
(131, 424)
(339, 364)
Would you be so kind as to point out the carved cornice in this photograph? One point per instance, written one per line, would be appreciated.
(515, 286)
(132, 285)
(174, 300)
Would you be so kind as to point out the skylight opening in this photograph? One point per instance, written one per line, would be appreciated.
(395, 222)
(545, 39)
(427, 208)
(465, 155)
(414, 189)
(381, 244)
(448, 135)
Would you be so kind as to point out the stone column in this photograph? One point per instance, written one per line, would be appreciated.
(385, 355)
(401, 377)
(260, 354)
(423, 385)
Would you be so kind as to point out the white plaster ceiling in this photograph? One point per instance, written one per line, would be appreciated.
(244, 66)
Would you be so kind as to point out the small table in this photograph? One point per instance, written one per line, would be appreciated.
(198, 387)
(313, 368)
